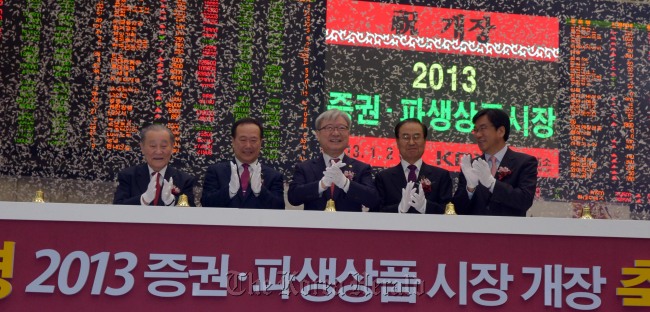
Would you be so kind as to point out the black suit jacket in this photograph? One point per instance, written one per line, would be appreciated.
(133, 182)
(216, 192)
(512, 195)
(391, 181)
(307, 175)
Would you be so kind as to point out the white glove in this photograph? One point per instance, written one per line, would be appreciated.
(468, 171)
(337, 176)
(166, 192)
(404, 204)
(256, 178)
(150, 194)
(326, 181)
(233, 186)
(482, 170)
(419, 200)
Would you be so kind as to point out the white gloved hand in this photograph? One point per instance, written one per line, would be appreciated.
(468, 171)
(256, 178)
(404, 204)
(150, 194)
(337, 176)
(482, 170)
(325, 181)
(166, 192)
(233, 186)
(419, 200)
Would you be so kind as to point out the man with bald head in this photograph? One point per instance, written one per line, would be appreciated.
(333, 175)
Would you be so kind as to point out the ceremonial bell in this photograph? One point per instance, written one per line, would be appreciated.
(586, 212)
(39, 197)
(330, 207)
(450, 210)
(182, 201)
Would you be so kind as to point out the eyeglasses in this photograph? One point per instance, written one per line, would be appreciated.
(481, 129)
(331, 128)
(407, 138)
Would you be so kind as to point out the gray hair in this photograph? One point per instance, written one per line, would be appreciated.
(155, 127)
(332, 114)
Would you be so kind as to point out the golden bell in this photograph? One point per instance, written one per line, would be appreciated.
(39, 197)
(450, 210)
(330, 207)
(586, 212)
(182, 201)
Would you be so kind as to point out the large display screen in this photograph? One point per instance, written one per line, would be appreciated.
(80, 78)
(575, 87)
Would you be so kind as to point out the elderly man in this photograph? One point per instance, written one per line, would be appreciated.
(413, 186)
(244, 183)
(154, 183)
(333, 175)
(501, 182)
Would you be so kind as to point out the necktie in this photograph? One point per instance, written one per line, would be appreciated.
(494, 165)
(412, 176)
(158, 189)
(245, 177)
(336, 160)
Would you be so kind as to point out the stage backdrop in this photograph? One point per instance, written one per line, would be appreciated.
(69, 257)
(79, 78)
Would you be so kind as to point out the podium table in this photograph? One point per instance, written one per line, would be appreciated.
(78, 257)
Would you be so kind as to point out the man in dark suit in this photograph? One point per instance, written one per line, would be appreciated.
(333, 175)
(244, 183)
(501, 182)
(154, 183)
(413, 186)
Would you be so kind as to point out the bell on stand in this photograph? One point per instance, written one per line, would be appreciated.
(330, 207)
(586, 212)
(39, 198)
(450, 210)
(183, 201)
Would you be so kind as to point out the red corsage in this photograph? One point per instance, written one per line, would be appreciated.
(426, 185)
(349, 174)
(503, 172)
(175, 190)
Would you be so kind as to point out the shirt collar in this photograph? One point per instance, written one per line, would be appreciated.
(499, 155)
(328, 159)
(405, 165)
(239, 164)
(162, 171)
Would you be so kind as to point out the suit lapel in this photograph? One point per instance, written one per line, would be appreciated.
(142, 177)
(398, 176)
(425, 171)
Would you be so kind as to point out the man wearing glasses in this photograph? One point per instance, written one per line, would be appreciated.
(413, 186)
(501, 182)
(333, 175)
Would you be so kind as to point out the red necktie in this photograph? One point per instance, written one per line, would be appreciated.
(412, 176)
(158, 189)
(245, 177)
(494, 165)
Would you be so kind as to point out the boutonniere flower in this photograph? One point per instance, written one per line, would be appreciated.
(503, 172)
(426, 185)
(349, 174)
(175, 190)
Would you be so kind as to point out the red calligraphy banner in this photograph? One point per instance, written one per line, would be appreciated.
(431, 29)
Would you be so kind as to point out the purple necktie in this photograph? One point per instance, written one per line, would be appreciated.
(245, 177)
(494, 165)
(412, 176)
